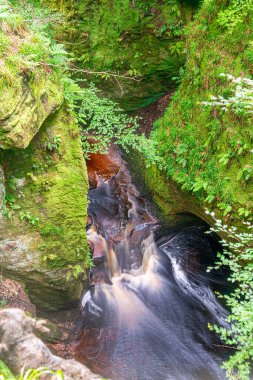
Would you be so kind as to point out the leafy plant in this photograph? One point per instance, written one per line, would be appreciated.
(89, 260)
(234, 14)
(245, 173)
(225, 158)
(14, 20)
(53, 143)
(34, 374)
(75, 271)
(5, 373)
(30, 374)
(226, 208)
(237, 255)
(244, 212)
(28, 217)
(101, 121)
(45, 185)
(10, 206)
(241, 99)
(176, 48)
(199, 184)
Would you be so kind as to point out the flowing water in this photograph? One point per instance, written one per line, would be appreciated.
(150, 301)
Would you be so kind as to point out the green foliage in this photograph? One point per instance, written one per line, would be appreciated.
(10, 206)
(74, 271)
(39, 373)
(53, 143)
(245, 173)
(4, 43)
(234, 14)
(33, 51)
(5, 373)
(14, 20)
(101, 121)
(237, 255)
(124, 37)
(89, 260)
(26, 216)
(44, 186)
(50, 230)
(176, 48)
(198, 167)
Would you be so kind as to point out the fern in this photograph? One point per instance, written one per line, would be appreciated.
(234, 14)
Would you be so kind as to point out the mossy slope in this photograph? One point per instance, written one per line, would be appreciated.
(195, 140)
(128, 37)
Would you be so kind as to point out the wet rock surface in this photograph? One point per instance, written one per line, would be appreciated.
(149, 300)
(19, 347)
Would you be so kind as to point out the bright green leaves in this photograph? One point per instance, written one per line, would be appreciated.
(238, 257)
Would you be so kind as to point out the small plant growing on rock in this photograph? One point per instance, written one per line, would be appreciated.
(53, 143)
(26, 216)
(75, 271)
(10, 206)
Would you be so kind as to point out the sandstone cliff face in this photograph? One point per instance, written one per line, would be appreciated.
(43, 189)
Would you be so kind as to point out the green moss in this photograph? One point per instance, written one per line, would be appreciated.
(126, 37)
(61, 206)
(194, 140)
(171, 203)
(25, 106)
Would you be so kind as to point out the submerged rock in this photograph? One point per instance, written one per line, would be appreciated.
(18, 346)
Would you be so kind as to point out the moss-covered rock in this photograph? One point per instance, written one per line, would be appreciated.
(25, 105)
(129, 38)
(43, 177)
(44, 242)
(207, 150)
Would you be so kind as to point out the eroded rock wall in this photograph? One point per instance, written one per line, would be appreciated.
(43, 239)
(43, 177)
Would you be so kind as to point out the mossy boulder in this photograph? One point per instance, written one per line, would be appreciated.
(25, 105)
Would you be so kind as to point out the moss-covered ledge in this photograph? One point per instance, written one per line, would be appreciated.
(171, 203)
(25, 105)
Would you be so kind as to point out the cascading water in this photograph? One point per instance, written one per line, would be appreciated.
(147, 311)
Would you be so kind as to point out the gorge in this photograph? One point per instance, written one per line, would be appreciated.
(126, 189)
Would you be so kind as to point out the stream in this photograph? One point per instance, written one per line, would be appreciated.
(146, 313)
